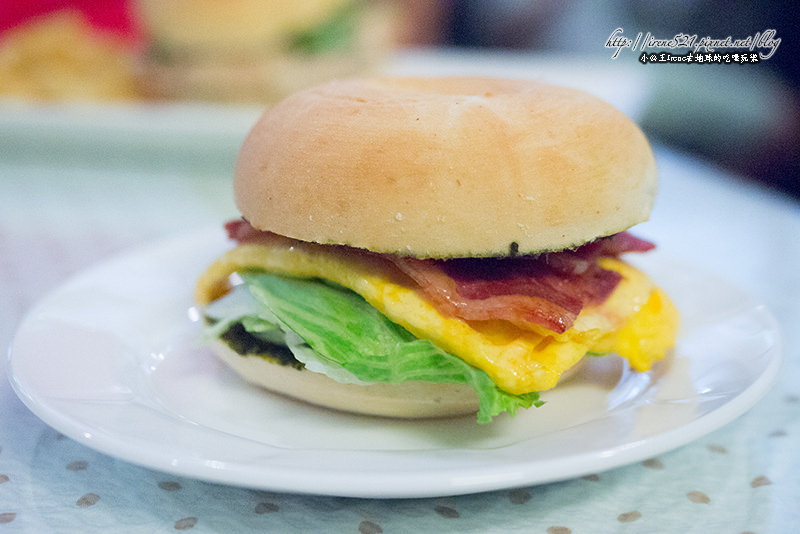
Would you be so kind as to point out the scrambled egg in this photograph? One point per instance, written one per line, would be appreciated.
(637, 321)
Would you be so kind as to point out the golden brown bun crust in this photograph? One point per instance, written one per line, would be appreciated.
(445, 167)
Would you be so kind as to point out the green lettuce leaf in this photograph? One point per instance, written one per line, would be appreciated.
(336, 33)
(345, 332)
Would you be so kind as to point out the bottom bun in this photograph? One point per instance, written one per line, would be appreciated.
(406, 400)
(410, 400)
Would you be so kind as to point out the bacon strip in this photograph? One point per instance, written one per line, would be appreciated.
(484, 289)
(242, 231)
(548, 290)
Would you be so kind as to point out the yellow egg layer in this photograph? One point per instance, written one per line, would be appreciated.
(637, 321)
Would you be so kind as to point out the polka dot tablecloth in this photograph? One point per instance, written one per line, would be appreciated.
(65, 205)
(710, 486)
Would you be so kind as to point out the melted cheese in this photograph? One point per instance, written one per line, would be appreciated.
(637, 321)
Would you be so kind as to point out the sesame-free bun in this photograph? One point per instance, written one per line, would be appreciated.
(412, 400)
(445, 167)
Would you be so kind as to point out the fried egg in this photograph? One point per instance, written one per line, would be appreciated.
(637, 321)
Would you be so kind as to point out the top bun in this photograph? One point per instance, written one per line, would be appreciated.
(445, 167)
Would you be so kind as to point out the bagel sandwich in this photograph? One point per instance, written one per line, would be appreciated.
(431, 247)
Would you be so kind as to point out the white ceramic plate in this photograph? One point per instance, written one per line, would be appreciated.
(114, 359)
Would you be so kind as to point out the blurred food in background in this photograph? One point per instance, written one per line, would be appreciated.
(257, 51)
(252, 51)
(61, 56)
